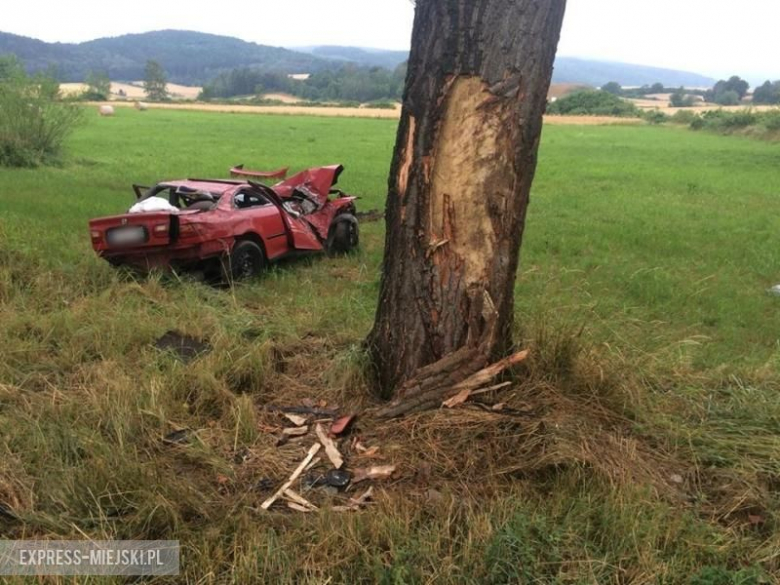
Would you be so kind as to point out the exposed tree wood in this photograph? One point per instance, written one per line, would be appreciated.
(459, 187)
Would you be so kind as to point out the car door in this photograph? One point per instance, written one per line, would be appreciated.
(259, 215)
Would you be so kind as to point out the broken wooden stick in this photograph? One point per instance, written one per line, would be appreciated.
(355, 503)
(295, 431)
(467, 393)
(375, 472)
(295, 475)
(299, 499)
(331, 450)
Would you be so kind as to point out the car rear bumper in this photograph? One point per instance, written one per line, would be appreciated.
(147, 259)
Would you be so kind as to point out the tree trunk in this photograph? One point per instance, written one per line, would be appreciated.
(464, 161)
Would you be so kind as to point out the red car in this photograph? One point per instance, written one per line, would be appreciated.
(235, 227)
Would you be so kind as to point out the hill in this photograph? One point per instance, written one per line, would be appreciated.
(598, 73)
(195, 58)
(358, 55)
(188, 57)
(567, 69)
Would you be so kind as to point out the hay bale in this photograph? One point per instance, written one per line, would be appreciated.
(106, 110)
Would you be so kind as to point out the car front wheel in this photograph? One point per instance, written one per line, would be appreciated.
(344, 234)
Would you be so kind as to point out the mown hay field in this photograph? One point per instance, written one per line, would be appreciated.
(639, 444)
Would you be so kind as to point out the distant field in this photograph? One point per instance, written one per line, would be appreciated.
(644, 444)
(135, 90)
(362, 112)
(661, 102)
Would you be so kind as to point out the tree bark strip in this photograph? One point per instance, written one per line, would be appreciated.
(464, 161)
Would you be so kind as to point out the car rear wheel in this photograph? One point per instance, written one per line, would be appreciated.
(344, 234)
(247, 260)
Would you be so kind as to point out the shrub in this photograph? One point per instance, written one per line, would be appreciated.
(593, 103)
(33, 122)
(771, 120)
(683, 117)
(655, 117)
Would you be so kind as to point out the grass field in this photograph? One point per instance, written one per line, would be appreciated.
(649, 451)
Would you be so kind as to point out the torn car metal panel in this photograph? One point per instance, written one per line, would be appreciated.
(235, 226)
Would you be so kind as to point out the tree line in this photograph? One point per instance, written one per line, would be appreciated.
(726, 92)
(347, 83)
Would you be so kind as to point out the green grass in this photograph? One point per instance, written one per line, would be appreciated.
(642, 292)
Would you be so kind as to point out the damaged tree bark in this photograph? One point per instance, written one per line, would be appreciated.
(464, 161)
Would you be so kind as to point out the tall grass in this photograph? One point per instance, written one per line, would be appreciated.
(639, 443)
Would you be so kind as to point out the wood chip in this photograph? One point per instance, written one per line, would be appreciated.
(295, 419)
(295, 431)
(356, 503)
(375, 472)
(299, 499)
(295, 475)
(364, 451)
(299, 508)
(331, 450)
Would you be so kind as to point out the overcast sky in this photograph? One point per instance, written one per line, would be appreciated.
(712, 37)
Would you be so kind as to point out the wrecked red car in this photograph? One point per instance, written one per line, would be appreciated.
(232, 227)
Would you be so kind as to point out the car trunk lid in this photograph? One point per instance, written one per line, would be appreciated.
(133, 231)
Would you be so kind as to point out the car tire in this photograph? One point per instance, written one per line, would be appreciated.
(344, 234)
(246, 261)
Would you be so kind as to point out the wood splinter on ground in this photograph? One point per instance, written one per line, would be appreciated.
(296, 498)
(295, 475)
(356, 503)
(331, 450)
(295, 431)
(295, 419)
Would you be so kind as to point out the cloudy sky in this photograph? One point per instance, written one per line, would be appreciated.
(705, 36)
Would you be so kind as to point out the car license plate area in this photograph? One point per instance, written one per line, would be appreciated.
(127, 236)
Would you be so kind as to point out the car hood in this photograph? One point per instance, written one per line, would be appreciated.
(318, 181)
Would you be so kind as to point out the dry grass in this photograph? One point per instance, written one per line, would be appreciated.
(135, 90)
(376, 113)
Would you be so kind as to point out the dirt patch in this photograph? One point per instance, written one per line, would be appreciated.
(186, 348)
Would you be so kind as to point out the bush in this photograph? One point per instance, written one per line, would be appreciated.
(33, 122)
(655, 117)
(771, 120)
(683, 117)
(593, 103)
